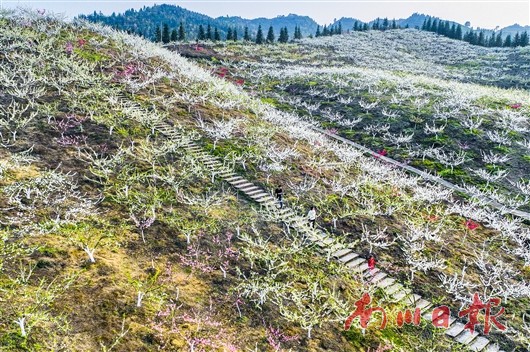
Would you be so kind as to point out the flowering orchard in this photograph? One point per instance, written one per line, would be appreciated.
(113, 235)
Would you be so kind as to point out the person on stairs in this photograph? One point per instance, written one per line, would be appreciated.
(371, 267)
(278, 192)
(312, 216)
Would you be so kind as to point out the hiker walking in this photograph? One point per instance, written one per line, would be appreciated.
(371, 266)
(312, 216)
(278, 192)
(371, 263)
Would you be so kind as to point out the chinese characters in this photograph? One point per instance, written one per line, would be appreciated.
(440, 316)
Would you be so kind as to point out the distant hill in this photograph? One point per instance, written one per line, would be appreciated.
(145, 21)
(346, 22)
(416, 21)
(514, 29)
(306, 24)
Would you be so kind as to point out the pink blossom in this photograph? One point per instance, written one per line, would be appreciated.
(69, 48)
(72, 140)
(471, 225)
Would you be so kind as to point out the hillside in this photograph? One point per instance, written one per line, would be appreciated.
(380, 90)
(133, 217)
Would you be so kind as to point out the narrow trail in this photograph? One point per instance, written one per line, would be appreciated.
(347, 256)
(491, 202)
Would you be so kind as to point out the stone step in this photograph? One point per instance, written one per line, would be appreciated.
(428, 316)
(234, 178)
(238, 182)
(371, 273)
(423, 304)
(253, 191)
(258, 195)
(363, 268)
(492, 347)
(412, 300)
(466, 337)
(341, 252)
(355, 263)
(249, 188)
(479, 344)
(455, 329)
(385, 282)
(269, 202)
(400, 295)
(261, 198)
(393, 288)
(242, 185)
(348, 257)
(377, 277)
(227, 174)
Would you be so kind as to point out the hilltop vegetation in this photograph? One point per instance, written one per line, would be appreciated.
(145, 21)
(114, 238)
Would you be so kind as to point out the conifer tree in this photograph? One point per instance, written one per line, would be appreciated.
(498, 40)
(174, 35)
(452, 31)
(201, 35)
(317, 34)
(270, 35)
(355, 26)
(447, 29)
(299, 33)
(209, 35)
(234, 35)
(246, 35)
(216, 35)
(165, 33)
(284, 35)
(259, 35)
(426, 24)
(434, 26)
(365, 27)
(394, 24)
(481, 39)
(516, 40)
(508, 41)
(458, 33)
(158, 34)
(339, 29)
(524, 39)
(385, 23)
(229, 34)
(182, 32)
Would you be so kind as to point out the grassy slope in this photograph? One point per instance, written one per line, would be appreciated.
(401, 83)
(123, 170)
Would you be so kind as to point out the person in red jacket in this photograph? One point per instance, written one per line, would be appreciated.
(371, 263)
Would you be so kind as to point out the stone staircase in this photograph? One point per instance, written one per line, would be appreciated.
(393, 289)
